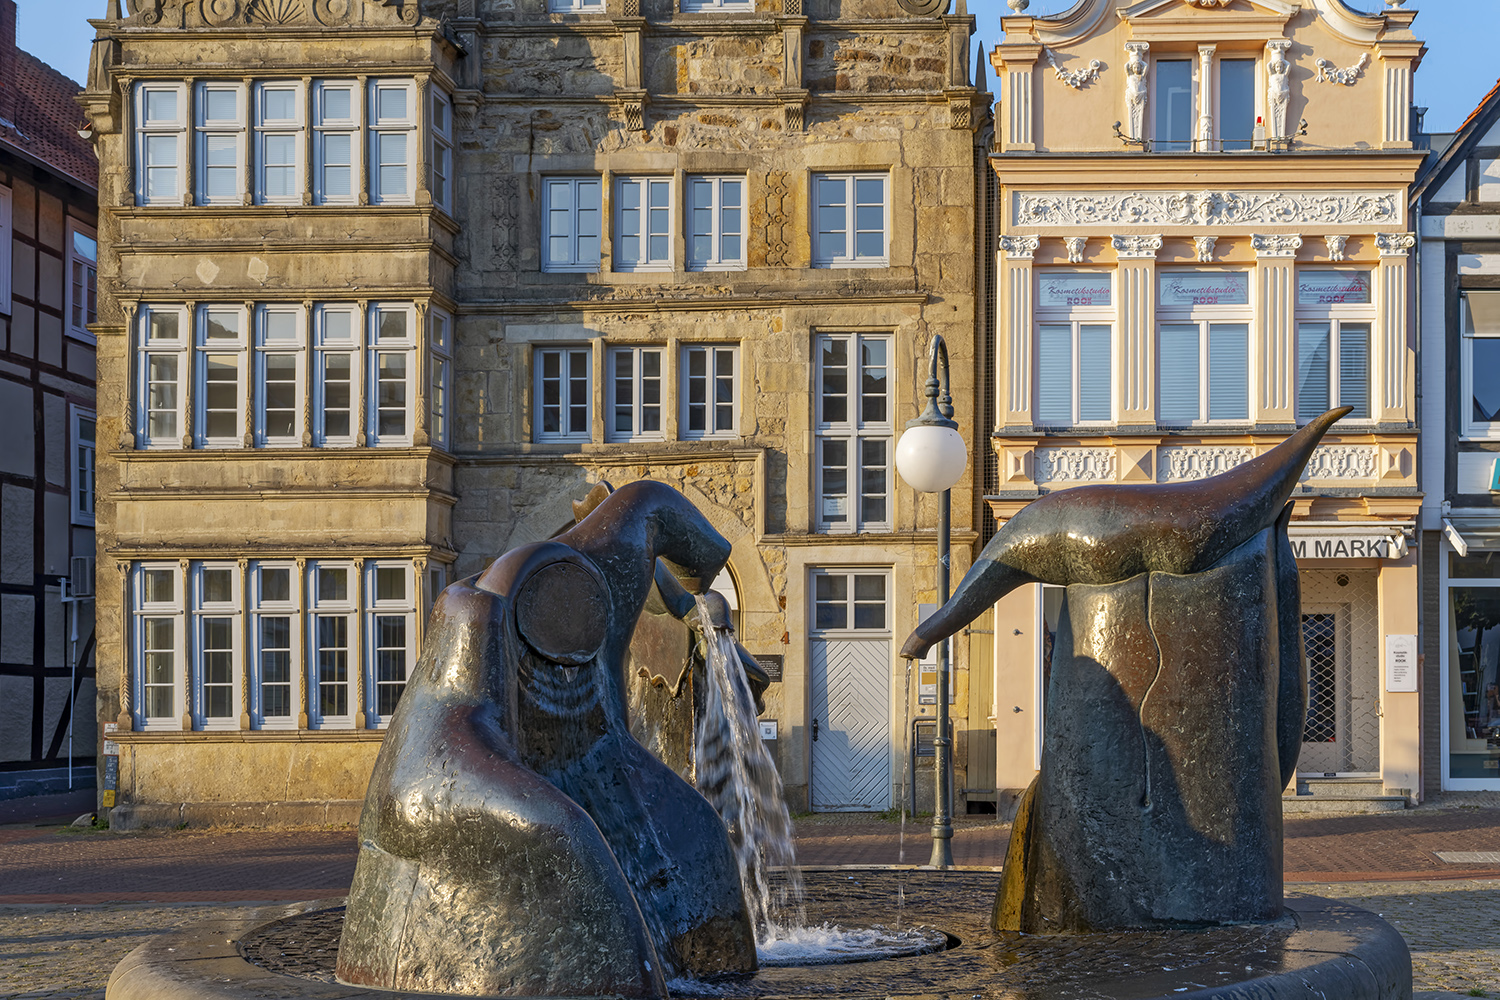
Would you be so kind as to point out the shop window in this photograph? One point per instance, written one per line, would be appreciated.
(1203, 347)
(851, 220)
(1074, 348)
(572, 214)
(854, 430)
(710, 392)
(1479, 400)
(1473, 669)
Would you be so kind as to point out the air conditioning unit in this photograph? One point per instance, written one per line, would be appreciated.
(81, 576)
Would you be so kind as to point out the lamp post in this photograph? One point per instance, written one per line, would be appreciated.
(931, 457)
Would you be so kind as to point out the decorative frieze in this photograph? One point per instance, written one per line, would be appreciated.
(1181, 462)
(1135, 247)
(1205, 248)
(1336, 247)
(270, 13)
(1074, 78)
(1023, 247)
(1342, 461)
(1395, 244)
(1329, 73)
(1075, 246)
(1280, 245)
(1075, 465)
(1205, 208)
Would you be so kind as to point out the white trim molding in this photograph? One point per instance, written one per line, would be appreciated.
(1279, 245)
(1020, 247)
(1136, 247)
(1206, 208)
(1395, 244)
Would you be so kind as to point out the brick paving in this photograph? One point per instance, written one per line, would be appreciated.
(73, 903)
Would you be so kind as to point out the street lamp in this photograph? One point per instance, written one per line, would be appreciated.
(931, 457)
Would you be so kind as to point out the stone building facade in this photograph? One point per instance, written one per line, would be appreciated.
(386, 286)
(1458, 198)
(47, 445)
(1205, 241)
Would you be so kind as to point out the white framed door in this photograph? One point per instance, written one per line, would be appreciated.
(849, 659)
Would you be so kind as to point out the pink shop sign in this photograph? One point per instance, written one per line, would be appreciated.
(1320, 288)
(1072, 290)
(1205, 288)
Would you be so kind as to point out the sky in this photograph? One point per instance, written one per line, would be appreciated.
(1462, 62)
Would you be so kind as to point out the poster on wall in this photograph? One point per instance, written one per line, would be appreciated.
(1400, 663)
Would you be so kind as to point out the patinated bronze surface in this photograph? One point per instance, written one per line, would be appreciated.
(516, 839)
(1176, 700)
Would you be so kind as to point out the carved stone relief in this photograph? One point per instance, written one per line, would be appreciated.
(1180, 462)
(1075, 465)
(505, 235)
(1281, 245)
(1395, 244)
(1278, 85)
(1135, 247)
(778, 219)
(1207, 4)
(1073, 78)
(1329, 73)
(278, 12)
(1021, 247)
(1204, 208)
(960, 114)
(219, 13)
(1075, 245)
(1342, 461)
(272, 13)
(1205, 247)
(1335, 247)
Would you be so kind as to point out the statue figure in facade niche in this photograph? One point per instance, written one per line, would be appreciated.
(1136, 86)
(1278, 89)
(516, 839)
(1176, 699)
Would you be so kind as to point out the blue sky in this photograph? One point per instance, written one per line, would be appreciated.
(1462, 60)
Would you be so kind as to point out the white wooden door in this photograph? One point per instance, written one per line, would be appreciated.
(850, 661)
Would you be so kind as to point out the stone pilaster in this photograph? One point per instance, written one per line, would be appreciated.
(1394, 356)
(1276, 290)
(1135, 333)
(1019, 118)
(1015, 309)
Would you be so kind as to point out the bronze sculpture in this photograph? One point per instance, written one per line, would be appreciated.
(516, 839)
(1177, 697)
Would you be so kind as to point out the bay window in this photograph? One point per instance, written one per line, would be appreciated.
(390, 624)
(440, 154)
(158, 644)
(333, 634)
(275, 606)
(336, 368)
(439, 406)
(390, 362)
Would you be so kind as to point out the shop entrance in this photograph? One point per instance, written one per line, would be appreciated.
(1340, 636)
(849, 660)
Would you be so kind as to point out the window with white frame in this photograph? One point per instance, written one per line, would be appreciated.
(437, 581)
(275, 645)
(82, 307)
(6, 249)
(716, 223)
(216, 645)
(1175, 126)
(852, 220)
(390, 367)
(571, 212)
(710, 391)
(854, 432)
(849, 599)
(82, 436)
(692, 6)
(163, 333)
(575, 6)
(280, 350)
(634, 390)
(161, 143)
(439, 404)
(333, 636)
(1479, 401)
(1172, 97)
(336, 142)
(1236, 96)
(1074, 347)
(391, 627)
(440, 159)
(1203, 347)
(393, 125)
(219, 391)
(643, 224)
(560, 388)
(159, 645)
(336, 376)
(220, 143)
(278, 143)
(1334, 316)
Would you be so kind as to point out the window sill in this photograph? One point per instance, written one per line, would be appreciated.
(845, 265)
(708, 268)
(251, 736)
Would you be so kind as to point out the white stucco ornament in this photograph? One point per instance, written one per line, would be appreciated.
(1074, 78)
(1329, 73)
(1205, 208)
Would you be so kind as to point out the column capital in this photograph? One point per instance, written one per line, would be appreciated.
(1395, 244)
(1279, 245)
(1021, 247)
(1136, 247)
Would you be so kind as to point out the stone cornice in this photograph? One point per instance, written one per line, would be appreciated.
(657, 304)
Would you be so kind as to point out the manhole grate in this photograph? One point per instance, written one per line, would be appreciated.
(1469, 857)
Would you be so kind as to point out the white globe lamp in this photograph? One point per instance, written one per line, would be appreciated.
(931, 457)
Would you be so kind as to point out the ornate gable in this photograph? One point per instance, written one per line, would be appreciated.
(272, 13)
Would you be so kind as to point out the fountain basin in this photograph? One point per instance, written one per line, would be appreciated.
(1321, 948)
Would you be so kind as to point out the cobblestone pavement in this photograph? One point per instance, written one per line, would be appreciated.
(72, 904)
